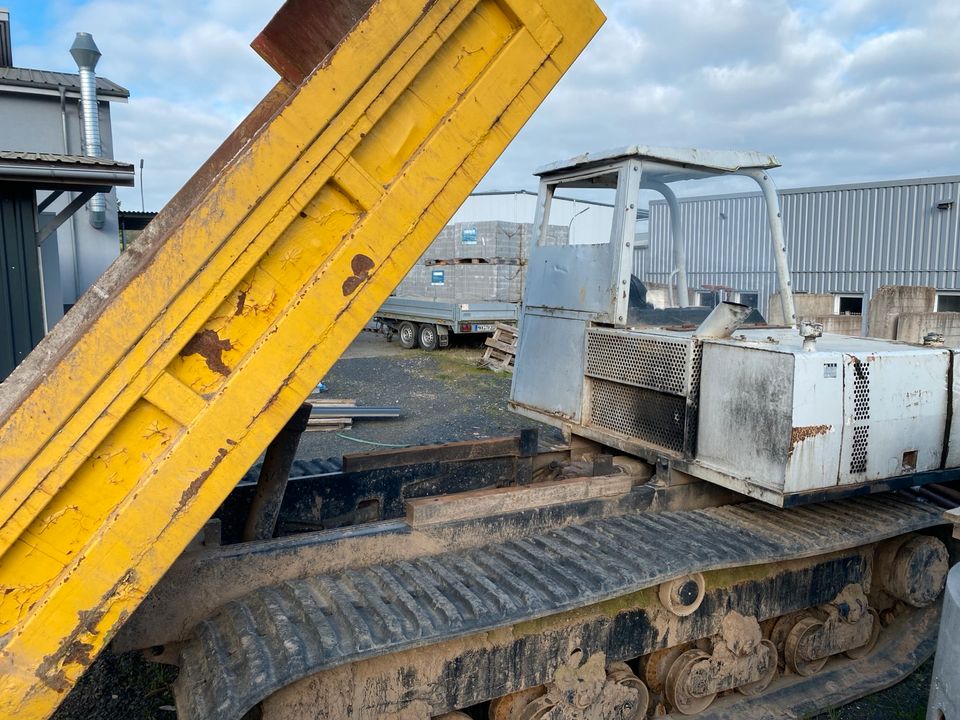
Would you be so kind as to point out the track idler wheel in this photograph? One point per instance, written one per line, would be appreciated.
(741, 659)
(913, 568)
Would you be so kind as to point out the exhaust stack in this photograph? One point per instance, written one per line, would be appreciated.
(723, 320)
(86, 54)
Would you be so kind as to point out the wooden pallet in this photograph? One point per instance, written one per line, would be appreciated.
(501, 349)
(328, 424)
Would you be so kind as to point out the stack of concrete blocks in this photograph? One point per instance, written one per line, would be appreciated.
(818, 308)
(896, 312)
(900, 312)
(501, 250)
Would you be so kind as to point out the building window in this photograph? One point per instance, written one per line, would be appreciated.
(848, 305)
(947, 302)
(708, 298)
(749, 298)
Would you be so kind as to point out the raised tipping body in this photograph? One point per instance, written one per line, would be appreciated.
(126, 428)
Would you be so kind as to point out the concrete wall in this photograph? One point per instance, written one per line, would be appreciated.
(838, 324)
(889, 302)
(912, 327)
(808, 306)
(33, 122)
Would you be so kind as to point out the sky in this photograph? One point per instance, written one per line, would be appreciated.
(840, 91)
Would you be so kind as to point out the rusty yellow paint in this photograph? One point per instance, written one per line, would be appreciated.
(128, 427)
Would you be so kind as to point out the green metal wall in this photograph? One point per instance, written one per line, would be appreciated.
(21, 307)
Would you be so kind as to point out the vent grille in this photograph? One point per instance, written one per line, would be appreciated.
(693, 403)
(858, 453)
(650, 416)
(642, 361)
(861, 415)
(861, 391)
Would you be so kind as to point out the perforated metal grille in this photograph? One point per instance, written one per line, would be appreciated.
(858, 453)
(861, 391)
(650, 416)
(693, 405)
(642, 361)
(861, 415)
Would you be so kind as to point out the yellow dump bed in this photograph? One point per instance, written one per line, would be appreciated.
(125, 429)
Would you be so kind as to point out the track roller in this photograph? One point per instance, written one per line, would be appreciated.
(579, 691)
(740, 659)
(846, 625)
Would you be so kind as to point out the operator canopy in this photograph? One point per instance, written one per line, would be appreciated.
(667, 164)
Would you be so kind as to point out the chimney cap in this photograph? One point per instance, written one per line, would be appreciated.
(85, 51)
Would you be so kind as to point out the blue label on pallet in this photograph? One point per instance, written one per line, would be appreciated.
(436, 277)
(469, 236)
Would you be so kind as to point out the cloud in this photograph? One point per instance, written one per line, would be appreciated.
(840, 92)
(191, 74)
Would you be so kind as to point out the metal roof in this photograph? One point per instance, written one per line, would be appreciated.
(46, 170)
(22, 156)
(712, 161)
(49, 80)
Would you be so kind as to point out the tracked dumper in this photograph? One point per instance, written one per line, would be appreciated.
(720, 536)
(716, 539)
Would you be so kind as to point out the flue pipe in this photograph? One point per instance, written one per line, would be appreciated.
(86, 54)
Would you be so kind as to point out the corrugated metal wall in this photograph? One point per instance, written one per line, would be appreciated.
(21, 311)
(841, 239)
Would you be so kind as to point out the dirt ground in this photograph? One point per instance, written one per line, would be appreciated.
(443, 396)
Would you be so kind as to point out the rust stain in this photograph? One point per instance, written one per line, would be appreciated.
(361, 265)
(209, 345)
(241, 299)
(51, 671)
(194, 487)
(799, 434)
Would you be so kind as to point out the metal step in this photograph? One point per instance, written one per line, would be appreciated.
(279, 634)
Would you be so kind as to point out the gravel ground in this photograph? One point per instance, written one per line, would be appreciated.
(443, 397)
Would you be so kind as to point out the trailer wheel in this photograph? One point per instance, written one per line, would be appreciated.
(408, 335)
(428, 336)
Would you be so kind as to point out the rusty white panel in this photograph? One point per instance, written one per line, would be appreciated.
(856, 410)
(813, 455)
(895, 409)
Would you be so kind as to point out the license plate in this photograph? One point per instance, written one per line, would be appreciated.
(478, 327)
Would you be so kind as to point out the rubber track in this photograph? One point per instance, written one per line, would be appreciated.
(279, 634)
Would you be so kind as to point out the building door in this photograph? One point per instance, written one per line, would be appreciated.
(21, 297)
